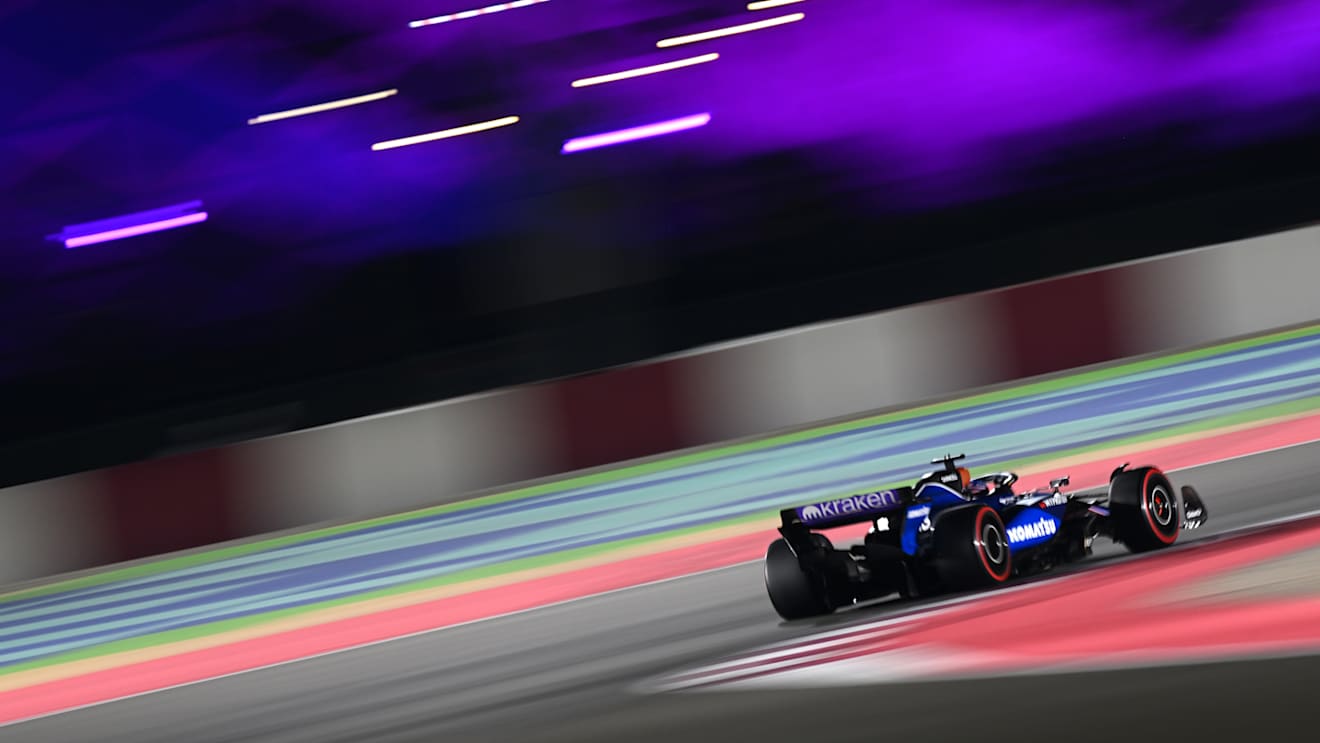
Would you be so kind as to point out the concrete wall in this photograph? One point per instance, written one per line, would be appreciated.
(441, 452)
(1201, 296)
(393, 462)
(52, 527)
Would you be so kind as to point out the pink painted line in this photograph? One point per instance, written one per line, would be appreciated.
(1106, 622)
(192, 667)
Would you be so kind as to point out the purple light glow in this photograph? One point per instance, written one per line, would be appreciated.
(134, 230)
(660, 128)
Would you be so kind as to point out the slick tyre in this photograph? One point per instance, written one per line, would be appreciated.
(971, 547)
(1144, 509)
(794, 592)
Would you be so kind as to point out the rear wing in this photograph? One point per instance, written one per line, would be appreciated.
(853, 509)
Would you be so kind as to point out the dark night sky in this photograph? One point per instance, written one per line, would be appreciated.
(858, 142)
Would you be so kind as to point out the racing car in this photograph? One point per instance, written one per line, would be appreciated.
(952, 532)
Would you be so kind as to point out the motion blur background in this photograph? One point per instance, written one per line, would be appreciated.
(870, 157)
(877, 203)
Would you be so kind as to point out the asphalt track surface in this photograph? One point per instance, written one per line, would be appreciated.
(568, 673)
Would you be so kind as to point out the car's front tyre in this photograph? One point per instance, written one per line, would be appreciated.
(1144, 509)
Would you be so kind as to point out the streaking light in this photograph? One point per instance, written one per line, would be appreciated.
(130, 225)
(640, 71)
(463, 15)
(318, 108)
(445, 133)
(141, 229)
(730, 30)
(767, 4)
(657, 129)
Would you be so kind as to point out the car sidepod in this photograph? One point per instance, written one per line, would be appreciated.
(1032, 527)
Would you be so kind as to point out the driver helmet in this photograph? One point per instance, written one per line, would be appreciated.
(975, 488)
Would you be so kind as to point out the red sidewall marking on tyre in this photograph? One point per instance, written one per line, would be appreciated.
(1146, 507)
(980, 551)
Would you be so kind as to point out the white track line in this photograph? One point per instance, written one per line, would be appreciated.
(829, 646)
(735, 674)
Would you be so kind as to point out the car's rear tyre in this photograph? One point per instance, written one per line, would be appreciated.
(971, 547)
(1144, 509)
(794, 592)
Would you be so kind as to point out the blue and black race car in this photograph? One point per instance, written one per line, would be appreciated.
(952, 532)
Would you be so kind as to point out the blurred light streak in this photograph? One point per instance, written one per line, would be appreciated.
(319, 107)
(641, 71)
(767, 4)
(463, 15)
(657, 129)
(134, 230)
(445, 133)
(730, 30)
(128, 225)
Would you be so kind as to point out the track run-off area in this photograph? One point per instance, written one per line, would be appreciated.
(1254, 594)
(178, 621)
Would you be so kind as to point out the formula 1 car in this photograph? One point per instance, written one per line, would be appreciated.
(950, 532)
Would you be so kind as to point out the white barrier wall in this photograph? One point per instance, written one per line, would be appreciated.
(392, 462)
(52, 527)
(837, 369)
(1234, 289)
(443, 452)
